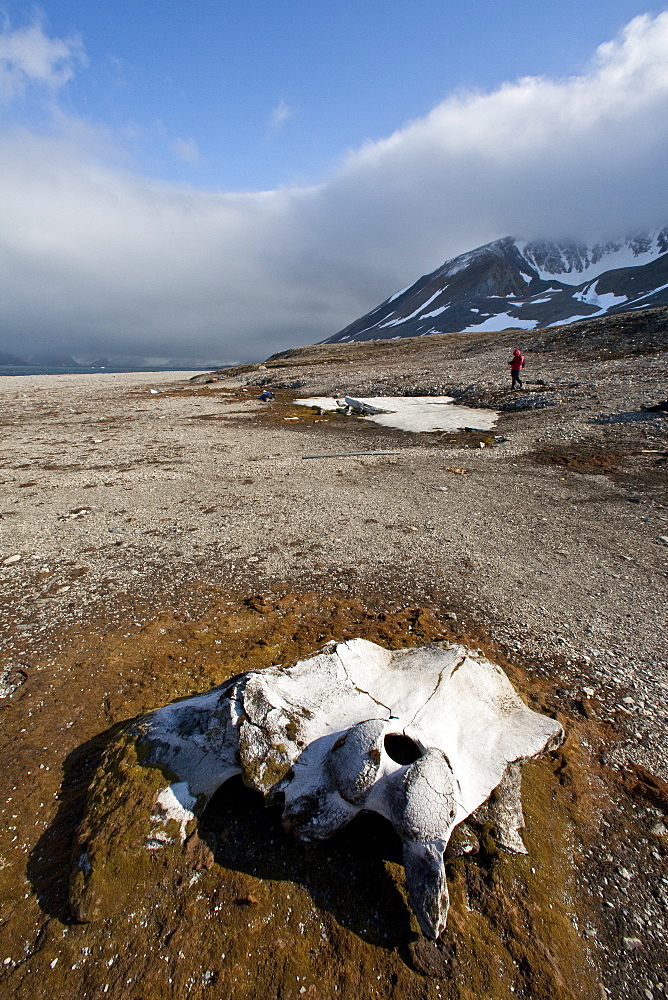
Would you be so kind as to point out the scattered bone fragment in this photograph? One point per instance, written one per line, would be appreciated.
(359, 406)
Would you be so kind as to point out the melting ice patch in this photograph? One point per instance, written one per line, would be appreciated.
(416, 413)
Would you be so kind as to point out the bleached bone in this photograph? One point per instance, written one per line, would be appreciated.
(422, 736)
(361, 407)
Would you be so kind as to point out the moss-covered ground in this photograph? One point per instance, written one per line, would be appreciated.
(247, 912)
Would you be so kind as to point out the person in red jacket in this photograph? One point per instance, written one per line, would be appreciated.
(516, 365)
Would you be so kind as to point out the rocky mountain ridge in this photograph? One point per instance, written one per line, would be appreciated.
(514, 284)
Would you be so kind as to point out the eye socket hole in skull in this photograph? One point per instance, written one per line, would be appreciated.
(401, 749)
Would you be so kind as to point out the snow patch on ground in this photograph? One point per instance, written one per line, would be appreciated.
(397, 294)
(654, 291)
(502, 321)
(404, 319)
(436, 312)
(605, 301)
(417, 413)
(570, 319)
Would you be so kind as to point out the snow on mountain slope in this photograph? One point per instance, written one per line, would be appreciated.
(575, 262)
(518, 284)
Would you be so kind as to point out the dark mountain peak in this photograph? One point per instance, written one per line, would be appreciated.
(510, 284)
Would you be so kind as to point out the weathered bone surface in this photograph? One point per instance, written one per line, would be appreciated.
(422, 736)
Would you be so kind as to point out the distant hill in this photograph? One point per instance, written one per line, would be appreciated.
(7, 358)
(513, 284)
(53, 359)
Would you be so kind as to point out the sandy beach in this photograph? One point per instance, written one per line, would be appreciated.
(171, 533)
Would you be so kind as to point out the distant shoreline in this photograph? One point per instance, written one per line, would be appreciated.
(18, 370)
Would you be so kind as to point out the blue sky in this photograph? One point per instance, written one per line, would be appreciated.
(308, 158)
(261, 93)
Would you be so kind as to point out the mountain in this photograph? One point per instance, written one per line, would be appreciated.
(515, 284)
(53, 359)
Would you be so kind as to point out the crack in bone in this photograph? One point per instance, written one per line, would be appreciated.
(362, 691)
(423, 708)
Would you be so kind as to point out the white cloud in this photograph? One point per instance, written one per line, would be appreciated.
(96, 257)
(280, 115)
(29, 57)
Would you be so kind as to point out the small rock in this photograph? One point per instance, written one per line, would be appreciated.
(10, 560)
(659, 829)
(628, 700)
(588, 692)
(631, 943)
(663, 539)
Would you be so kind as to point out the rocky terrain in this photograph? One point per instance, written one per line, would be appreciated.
(160, 533)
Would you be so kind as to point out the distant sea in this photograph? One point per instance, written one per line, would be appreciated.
(84, 370)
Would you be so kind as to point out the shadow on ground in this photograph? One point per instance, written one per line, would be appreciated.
(346, 875)
(50, 861)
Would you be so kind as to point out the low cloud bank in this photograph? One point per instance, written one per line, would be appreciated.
(96, 258)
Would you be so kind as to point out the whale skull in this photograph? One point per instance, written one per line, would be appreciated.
(421, 736)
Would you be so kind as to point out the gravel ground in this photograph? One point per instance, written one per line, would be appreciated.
(547, 539)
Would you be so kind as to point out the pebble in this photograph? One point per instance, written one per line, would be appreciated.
(631, 943)
(663, 539)
(10, 560)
